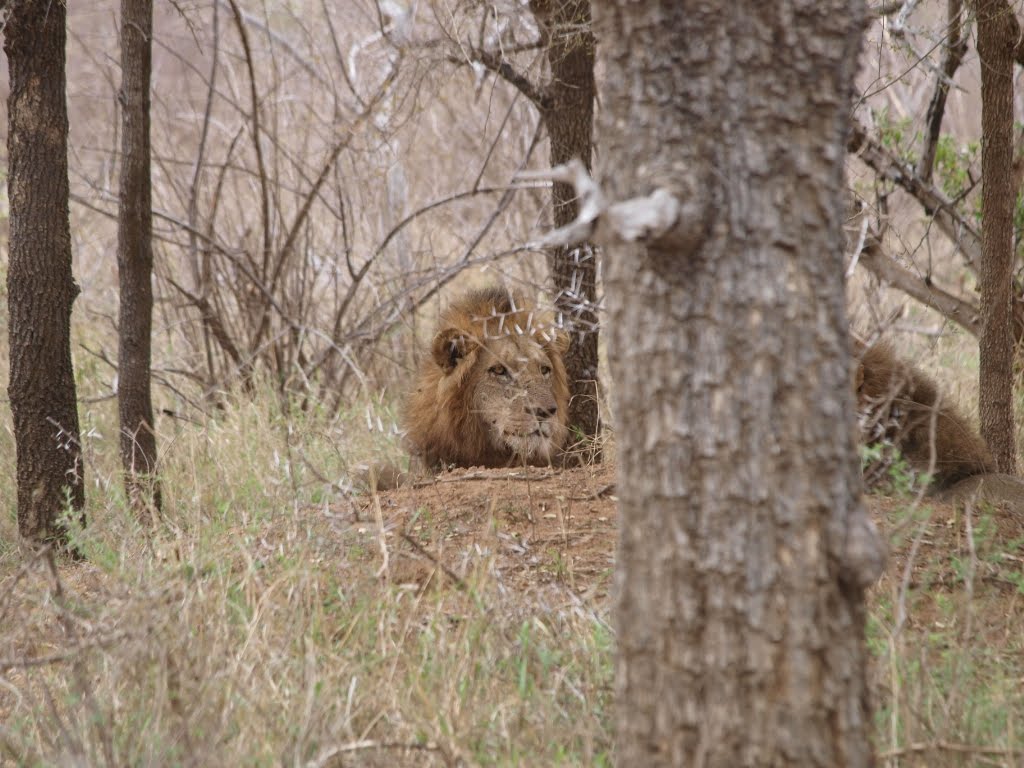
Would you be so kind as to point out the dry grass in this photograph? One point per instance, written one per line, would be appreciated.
(254, 624)
(260, 621)
(945, 629)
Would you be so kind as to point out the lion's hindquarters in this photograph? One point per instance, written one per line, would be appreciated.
(988, 488)
(898, 403)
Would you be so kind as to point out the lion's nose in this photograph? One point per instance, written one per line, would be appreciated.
(544, 411)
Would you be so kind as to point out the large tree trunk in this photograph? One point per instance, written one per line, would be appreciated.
(997, 35)
(135, 259)
(40, 286)
(569, 119)
(744, 548)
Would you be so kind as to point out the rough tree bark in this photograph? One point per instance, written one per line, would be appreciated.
(997, 36)
(744, 548)
(40, 285)
(568, 114)
(135, 259)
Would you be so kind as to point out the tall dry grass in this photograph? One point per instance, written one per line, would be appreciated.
(249, 625)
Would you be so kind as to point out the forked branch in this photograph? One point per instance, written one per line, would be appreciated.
(888, 166)
(503, 67)
(960, 311)
(660, 219)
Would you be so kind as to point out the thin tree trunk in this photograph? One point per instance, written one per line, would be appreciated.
(569, 119)
(744, 548)
(952, 56)
(135, 260)
(40, 285)
(996, 38)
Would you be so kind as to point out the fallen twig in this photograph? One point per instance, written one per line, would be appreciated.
(947, 746)
(424, 552)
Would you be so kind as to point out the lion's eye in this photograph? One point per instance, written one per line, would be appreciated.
(545, 370)
(498, 370)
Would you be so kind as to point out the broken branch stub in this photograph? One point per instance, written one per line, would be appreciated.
(655, 219)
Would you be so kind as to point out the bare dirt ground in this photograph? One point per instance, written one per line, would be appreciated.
(551, 525)
(542, 527)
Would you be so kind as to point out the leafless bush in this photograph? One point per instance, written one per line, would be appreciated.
(320, 172)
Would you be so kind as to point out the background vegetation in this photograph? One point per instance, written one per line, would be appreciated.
(323, 174)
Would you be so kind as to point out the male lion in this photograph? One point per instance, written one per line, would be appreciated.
(897, 402)
(493, 391)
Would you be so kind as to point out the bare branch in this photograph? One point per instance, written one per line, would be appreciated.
(256, 141)
(645, 219)
(314, 191)
(339, 58)
(659, 218)
(391, 310)
(958, 310)
(591, 202)
(501, 66)
(497, 140)
(282, 41)
(933, 200)
(211, 320)
(887, 8)
(201, 264)
(899, 24)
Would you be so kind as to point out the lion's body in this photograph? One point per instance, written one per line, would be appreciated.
(493, 392)
(898, 402)
(989, 488)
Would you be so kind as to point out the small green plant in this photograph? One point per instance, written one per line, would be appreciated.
(559, 566)
(954, 163)
(885, 468)
(895, 134)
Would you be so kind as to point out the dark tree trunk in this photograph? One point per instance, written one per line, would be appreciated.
(135, 260)
(997, 35)
(40, 286)
(569, 118)
(952, 56)
(744, 548)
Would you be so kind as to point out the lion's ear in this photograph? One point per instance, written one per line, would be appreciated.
(450, 346)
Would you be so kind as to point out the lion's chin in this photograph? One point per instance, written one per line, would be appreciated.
(535, 447)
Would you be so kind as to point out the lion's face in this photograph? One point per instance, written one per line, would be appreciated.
(513, 394)
(494, 390)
